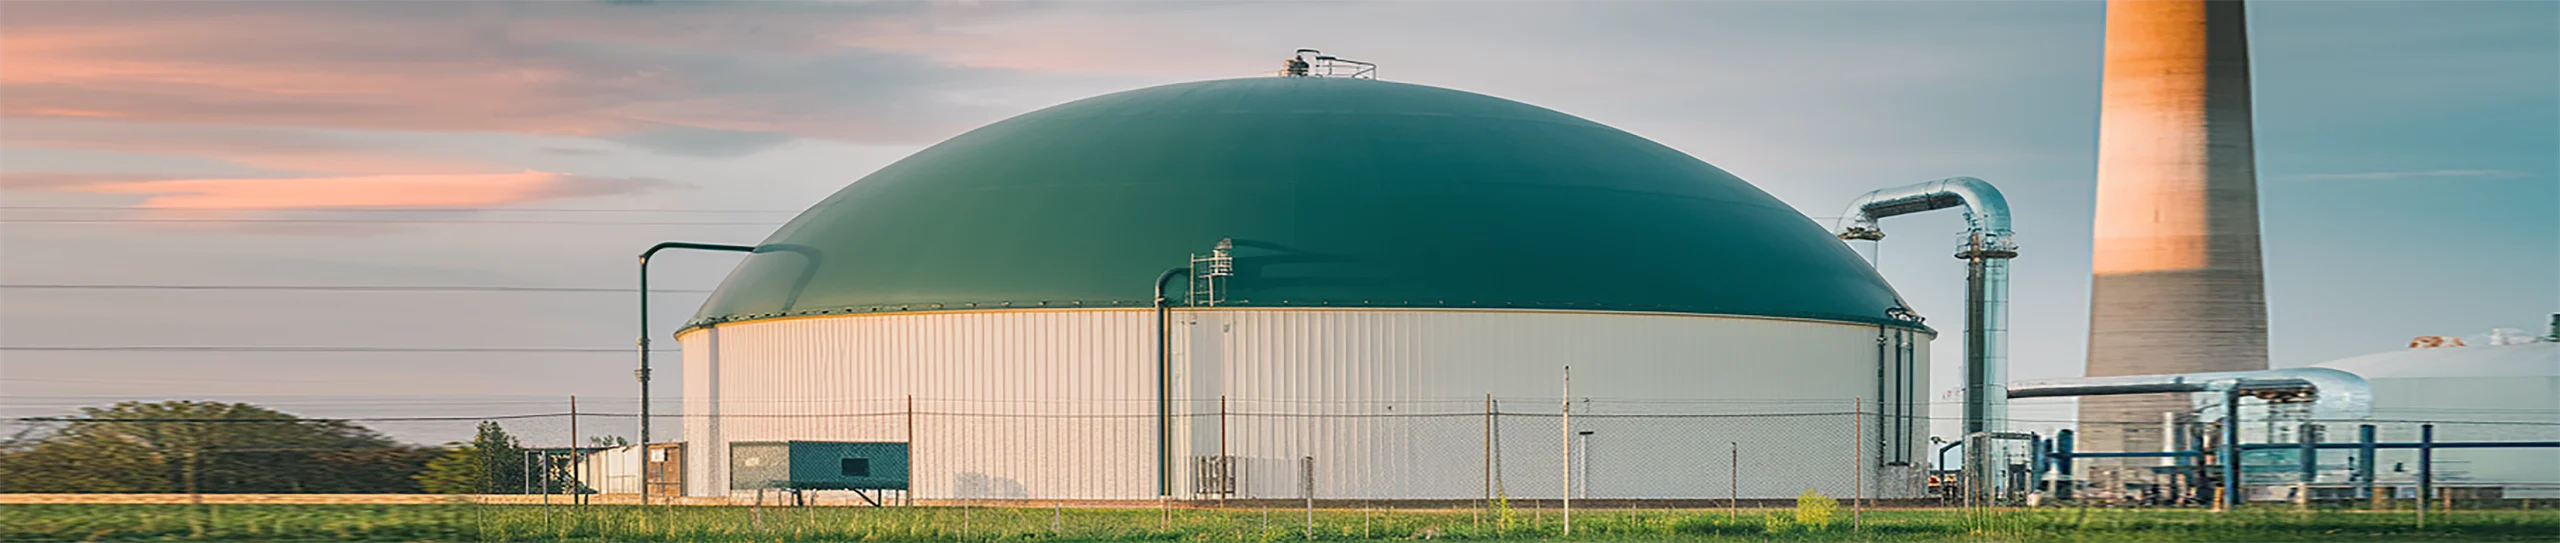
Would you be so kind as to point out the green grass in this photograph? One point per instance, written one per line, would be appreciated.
(463, 522)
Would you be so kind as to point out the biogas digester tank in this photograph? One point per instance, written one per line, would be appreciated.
(1373, 259)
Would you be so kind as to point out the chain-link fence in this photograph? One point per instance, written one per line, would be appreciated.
(1440, 452)
(2364, 463)
(1494, 452)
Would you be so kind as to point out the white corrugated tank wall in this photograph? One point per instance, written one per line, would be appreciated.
(1059, 404)
(2519, 408)
(1001, 399)
(2488, 392)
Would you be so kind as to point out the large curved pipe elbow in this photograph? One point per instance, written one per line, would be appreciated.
(1987, 249)
(1985, 211)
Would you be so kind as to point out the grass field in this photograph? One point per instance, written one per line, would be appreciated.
(467, 522)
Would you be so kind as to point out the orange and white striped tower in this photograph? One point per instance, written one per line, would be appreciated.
(2177, 283)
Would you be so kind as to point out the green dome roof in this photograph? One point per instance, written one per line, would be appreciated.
(1337, 192)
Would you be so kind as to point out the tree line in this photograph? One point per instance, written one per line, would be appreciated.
(238, 448)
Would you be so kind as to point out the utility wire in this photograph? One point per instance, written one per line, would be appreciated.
(308, 420)
(403, 209)
(314, 349)
(385, 221)
(347, 288)
(895, 413)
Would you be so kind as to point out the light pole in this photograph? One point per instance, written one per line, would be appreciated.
(643, 372)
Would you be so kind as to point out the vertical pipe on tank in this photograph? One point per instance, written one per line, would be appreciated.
(1885, 358)
(1164, 386)
(1986, 334)
(1910, 383)
(1987, 250)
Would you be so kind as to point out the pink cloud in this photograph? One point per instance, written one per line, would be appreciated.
(556, 68)
(371, 191)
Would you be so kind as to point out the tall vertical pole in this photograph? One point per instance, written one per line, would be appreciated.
(643, 375)
(1884, 358)
(1733, 478)
(909, 494)
(1307, 466)
(1226, 464)
(1164, 386)
(2426, 469)
(1488, 451)
(1986, 337)
(577, 459)
(1902, 404)
(643, 372)
(1568, 450)
(2231, 449)
(1857, 462)
(1970, 476)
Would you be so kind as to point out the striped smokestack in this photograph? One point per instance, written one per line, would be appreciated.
(2178, 287)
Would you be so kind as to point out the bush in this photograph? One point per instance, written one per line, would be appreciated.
(1814, 510)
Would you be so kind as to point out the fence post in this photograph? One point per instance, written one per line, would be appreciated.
(2426, 469)
(1307, 482)
(1857, 462)
(1568, 450)
(1733, 476)
(1487, 463)
(910, 494)
(1226, 460)
(577, 461)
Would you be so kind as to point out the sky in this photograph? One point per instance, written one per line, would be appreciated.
(2408, 154)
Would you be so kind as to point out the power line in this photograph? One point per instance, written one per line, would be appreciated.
(894, 413)
(348, 288)
(310, 420)
(314, 349)
(384, 221)
(403, 209)
(139, 381)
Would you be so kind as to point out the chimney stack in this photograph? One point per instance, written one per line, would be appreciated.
(2177, 284)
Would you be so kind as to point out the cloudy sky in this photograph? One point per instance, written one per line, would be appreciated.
(2406, 153)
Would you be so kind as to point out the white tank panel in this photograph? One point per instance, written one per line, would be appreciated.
(1060, 404)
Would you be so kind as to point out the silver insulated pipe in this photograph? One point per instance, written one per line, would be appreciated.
(2334, 394)
(1986, 251)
